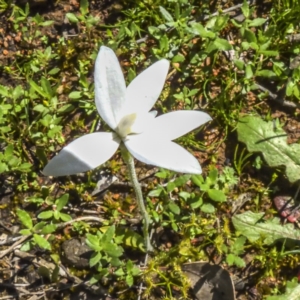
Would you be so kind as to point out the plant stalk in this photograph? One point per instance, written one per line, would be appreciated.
(139, 196)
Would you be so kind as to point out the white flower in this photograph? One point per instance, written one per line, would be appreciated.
(126, 111)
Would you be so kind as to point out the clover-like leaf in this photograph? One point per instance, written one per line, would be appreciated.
(261, 136)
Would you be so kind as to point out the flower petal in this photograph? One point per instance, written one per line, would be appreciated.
(110, 87)
(162, 153)
(144, 90)
(83, 154)
(172, 125)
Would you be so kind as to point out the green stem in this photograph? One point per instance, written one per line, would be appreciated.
(139, 196)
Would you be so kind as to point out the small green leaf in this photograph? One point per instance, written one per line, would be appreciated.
(216, 195)
(54, 71)
(46, 214)
(250, 36)
(41, 242)
(25, 232)
(84, 7)
(75, 95)
(95, 258)
(25, 218)
(129, 280)
(207, 208)
(166, 14)
(65, 217)
(112, 249)
(47, 87)
(72, 18)
(257, 22)
(198, 180)
(245, 9)
(93, 242)
(222, 44)
(198, 29)
(195, 202)
(266, 73)
(49, 229)
(61, 202)
(174, 208)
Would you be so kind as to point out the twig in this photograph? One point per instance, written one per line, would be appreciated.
(11, 248)
(277, 98)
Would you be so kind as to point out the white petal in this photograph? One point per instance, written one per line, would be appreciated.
(144, 90)
(83, 154)
(172, 125)
(143, 121)
(162, 153)
(110, 87)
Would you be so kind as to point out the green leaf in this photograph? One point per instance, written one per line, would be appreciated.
(75, 95)
(109, 234)
(25, 218)
(46, 214)
(72, 18)
(195, 202)
(47, 88)
(174, 208)
(39, 226)
(198, 29)
(38, 89)
(266, 73)
(9, 150)
(84, 6)
(222, 44)
(61, 202)
(260, 136)
(207, 208)
(25, 167)
(48, 229)
(54, 71)
(41, 242)
(65, 217)
(213, 175)
(3, 167)
(156, 192)
(178, 58)
(95, 258)
(198, 180)
(4, 91)
(268, 52)
(133, 240)
(250, 36)
(253, 228)
(65, 108)
(249, 72)
(129, 280)
(245, 9)
(25, 231)
(166, 14)
(232, 259)
(93, 242)
(216, 195)
(112, 249)
(257, 22)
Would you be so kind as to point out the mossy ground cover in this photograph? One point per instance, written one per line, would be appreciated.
(239, 62)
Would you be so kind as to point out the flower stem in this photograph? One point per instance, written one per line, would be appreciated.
(139, 196)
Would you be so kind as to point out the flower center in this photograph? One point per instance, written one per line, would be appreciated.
(125, 125)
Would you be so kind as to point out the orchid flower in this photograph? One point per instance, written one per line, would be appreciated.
(127, 111)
